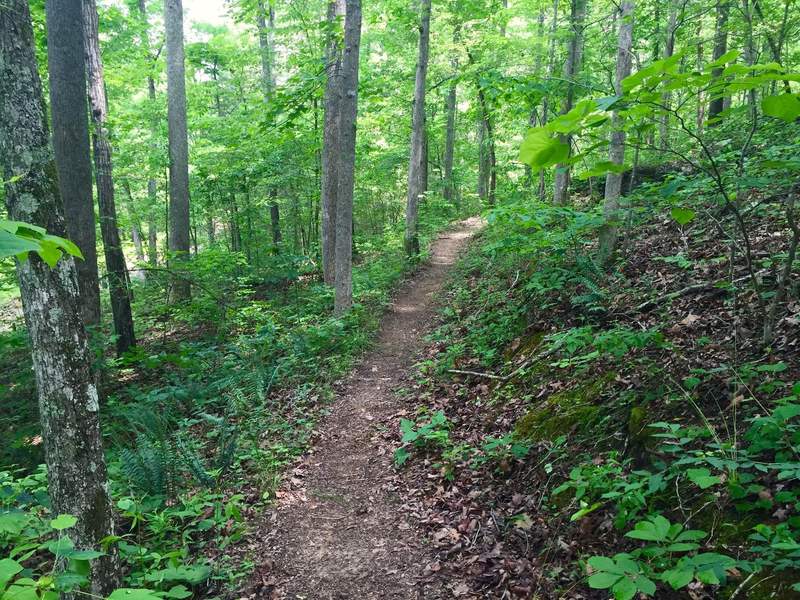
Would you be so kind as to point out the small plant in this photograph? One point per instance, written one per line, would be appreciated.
(433, 432)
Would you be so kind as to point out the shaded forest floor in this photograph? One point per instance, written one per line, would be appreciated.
(337, 530)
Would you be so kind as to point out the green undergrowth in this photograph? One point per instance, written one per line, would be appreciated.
(200, 419)
(667, 458)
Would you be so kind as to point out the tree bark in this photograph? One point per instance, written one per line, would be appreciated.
(616, 148)
(180, 288)
(275, 222)
(571, 68)
(717, 104)
(449, 191)
(71, 142)
(265, 23)
(152, 186)
(118, 280)
(343, 296)
(669, 50)
(487, 163)
(416, 163)
(68, 399)
(331, 142)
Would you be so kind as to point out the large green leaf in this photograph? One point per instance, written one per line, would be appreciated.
(540, 149)
(782, 106)
(133, 594)
(8, 568)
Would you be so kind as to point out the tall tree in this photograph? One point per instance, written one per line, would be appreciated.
(152, 186)
(348, 105)
(178, 145)
(265, 22)
(330, 140)
(449, 192)
(417, 162)
(68, 400)
(616, 147)
(71, 141)
(717, 103)
(572, 67)
(118, 280)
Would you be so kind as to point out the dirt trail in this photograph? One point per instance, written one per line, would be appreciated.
(338, 531)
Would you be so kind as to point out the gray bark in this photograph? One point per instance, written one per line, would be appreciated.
(265, 23)
(571, 69)
(416, 163)
(71, 142)
(152, 186)
(275, 222)
(449, 191)
(669, 50)
(343, 296)
(68, 400)
(331, 142)
(178, 146)
(118, 280)
(616, 148)
(717, 104)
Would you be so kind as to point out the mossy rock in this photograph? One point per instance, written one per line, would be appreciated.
(571, 410)
(526, 345)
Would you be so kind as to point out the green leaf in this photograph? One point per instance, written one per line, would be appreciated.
(645, 585)
(8, 568)
(678, 578)
(624, 589)
(13, 522)
(682, 216)
(782, 106)
(12, 244)
(724, 59)
(604, 563)
(603, 580)
(702, 478)
(540, 149)
(179, 592)
(62, 522)
(133, 594)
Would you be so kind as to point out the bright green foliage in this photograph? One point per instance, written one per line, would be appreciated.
(18, 239)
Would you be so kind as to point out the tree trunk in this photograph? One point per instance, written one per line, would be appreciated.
(71, 142)
(417, 154)
(152, 237)
(68, 400)
(487, 164)
(331, 142)
(180, 288)
(152, 186)
(449, 191)
(275, 222)
(118, 279)
(343, 297)
(717, 103)
(616, 148)
(669, 50)
(265, 22)
(571, 68)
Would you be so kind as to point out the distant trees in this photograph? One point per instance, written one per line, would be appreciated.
(178, 147)
(62, 362)
(417, 165)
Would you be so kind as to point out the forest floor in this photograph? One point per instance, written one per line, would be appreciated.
(338, 530)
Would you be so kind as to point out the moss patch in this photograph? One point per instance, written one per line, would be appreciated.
(561, 413)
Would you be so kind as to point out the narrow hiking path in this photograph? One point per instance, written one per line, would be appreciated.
(338, 531)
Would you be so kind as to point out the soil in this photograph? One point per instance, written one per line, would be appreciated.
(338, 529)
